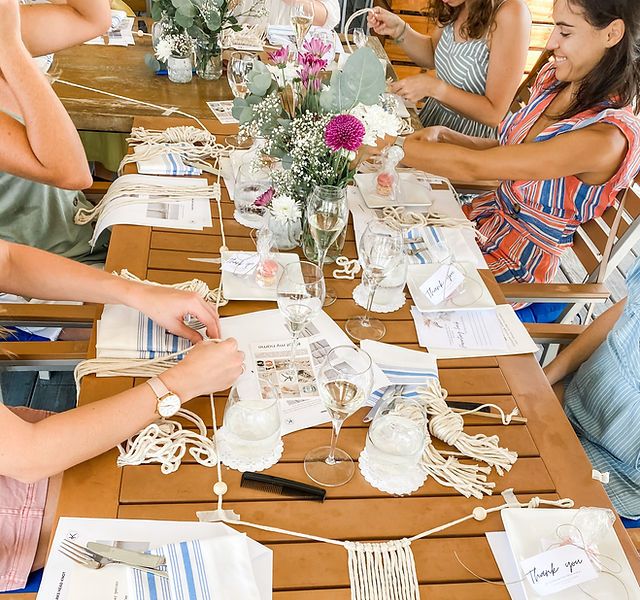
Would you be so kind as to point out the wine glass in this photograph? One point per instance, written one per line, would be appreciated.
(238, 68)
(345, 380)
(359, 37)
(327, 215)
(302, 14)
(380, 251)
(252, 180)
(300, 295)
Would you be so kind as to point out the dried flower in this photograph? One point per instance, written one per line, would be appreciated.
(279, 57)
(344, 132)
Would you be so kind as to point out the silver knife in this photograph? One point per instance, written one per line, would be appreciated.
(386, 396)
(130, 557)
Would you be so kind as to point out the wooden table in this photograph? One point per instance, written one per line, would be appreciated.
(122, 71)
(551, 461)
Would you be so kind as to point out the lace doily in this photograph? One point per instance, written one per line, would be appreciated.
(401, 484)
(361, 295)
(260, 463)
(252, 223)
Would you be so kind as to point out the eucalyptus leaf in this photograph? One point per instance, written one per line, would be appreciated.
(183, 20)
(239, 104)
(260, 83)
(214, 21)
(287, 161)
(152, 62)
(244, 116)
(361, 81)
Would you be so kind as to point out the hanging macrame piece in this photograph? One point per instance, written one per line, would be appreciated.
(194, 146)
(382, 571)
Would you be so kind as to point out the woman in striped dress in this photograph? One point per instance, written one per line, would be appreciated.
(602, 395)
(478, 49)
(561, 159)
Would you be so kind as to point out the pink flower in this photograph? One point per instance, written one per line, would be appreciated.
(265, 199)
(344, 132)
(279, 57)
(316, 46)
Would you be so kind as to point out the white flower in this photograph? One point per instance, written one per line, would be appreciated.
(163, 50)
(285, 208)
(377, 122)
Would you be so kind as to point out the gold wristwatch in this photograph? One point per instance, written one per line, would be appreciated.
(168, 402)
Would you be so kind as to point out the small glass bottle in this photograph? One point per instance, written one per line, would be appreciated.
(388, 179)
(266, 274)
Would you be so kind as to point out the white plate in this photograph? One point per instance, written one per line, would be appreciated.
(235, 287)
(476, 296)
(527, 527)
(412, 191)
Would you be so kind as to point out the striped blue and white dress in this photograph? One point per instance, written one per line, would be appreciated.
(463, 65)
(602, 402)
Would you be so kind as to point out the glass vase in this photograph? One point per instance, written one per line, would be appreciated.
(179, 69)
(286, 234)
(208, 59)
(309, 246)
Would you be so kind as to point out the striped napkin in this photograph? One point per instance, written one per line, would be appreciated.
(166, 164)
(124, 332)
(402, 366)
(213, 569)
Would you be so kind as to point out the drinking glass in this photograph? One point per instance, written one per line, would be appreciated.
(345, 380)
(300, 295)
(252, 180)
(380, 251)
(302, 13)
(327, 215)
(359, 37)
(251, 422)
(238, 68)
(396, 437)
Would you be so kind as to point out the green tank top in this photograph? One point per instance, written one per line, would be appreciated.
(41, 216)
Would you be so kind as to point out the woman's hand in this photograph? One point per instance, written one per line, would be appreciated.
(429, 134)
(167, 307)
(208, 368)
(384, 22)
(416, 87)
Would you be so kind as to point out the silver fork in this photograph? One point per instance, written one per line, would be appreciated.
(92, 560)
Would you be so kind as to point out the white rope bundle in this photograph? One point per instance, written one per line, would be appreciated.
(448, 426)
(382, 571)
(195, 146)
(122, 192)
(400, 219)
(165, 442)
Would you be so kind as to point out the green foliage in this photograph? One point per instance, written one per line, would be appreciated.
(361, 81)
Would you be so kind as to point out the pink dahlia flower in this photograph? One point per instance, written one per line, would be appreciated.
(344, 132)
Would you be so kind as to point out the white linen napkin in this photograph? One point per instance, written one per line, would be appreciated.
(216, 568)
(166, 164)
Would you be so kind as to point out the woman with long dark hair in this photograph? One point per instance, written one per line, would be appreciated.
(562, 158)
(478, 49)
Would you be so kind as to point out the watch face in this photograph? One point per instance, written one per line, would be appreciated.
(168, 405)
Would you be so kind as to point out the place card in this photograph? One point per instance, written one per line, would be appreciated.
(442, 284)
(240, 263)
(555, 570)
(222, 110)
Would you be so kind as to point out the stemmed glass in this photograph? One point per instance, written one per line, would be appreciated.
(238, 68)
(359, 37)
(327, 214)
(300, 295)
(344, 382)
(380, 251)
(302, 14)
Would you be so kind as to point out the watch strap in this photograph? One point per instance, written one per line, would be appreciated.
(158, 387)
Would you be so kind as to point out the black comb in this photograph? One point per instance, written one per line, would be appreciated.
(284, 487)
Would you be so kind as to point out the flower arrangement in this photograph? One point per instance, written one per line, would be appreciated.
(312, 125)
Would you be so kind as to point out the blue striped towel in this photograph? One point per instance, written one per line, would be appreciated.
(427, 236)
(213, 569)
(402, 366)
(166, 164)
